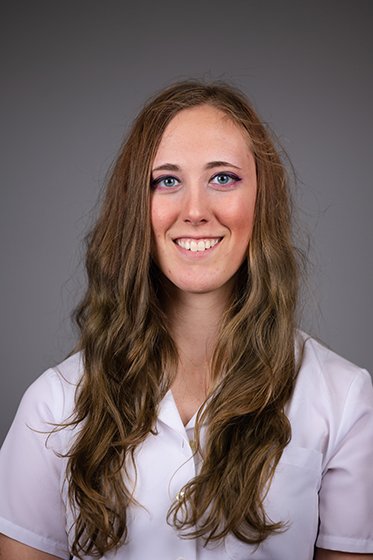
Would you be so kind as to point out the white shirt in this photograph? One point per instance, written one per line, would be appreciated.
(323, 485)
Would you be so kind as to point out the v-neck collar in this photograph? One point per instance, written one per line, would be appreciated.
(169, 415)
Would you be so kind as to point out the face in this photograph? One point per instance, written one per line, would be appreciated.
(203, 199)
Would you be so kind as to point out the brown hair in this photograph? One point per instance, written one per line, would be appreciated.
(127, 347)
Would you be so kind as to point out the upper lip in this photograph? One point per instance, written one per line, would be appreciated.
(201, 237)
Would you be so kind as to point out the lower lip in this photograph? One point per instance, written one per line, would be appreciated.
(197, 254)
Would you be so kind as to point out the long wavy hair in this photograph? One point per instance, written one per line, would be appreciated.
(127, 347)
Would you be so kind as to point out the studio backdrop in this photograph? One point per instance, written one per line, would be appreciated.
(75, 72)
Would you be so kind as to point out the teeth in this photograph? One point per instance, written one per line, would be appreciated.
(194, 246)
(197, 246)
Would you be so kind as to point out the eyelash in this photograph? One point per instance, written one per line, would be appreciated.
(235, 178)
(156, 182)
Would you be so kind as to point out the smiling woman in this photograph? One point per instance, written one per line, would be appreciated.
(193, 419)
(202, 216)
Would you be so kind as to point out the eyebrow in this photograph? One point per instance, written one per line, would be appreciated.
(210, 165)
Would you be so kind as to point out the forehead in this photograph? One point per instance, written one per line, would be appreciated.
(203, 130)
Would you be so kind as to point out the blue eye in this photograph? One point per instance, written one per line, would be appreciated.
(165, 182)
(224, 179)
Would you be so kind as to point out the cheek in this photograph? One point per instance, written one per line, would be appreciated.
(239, 217)
(158, 217)
(162, 216)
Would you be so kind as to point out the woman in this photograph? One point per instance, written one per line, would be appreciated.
(195, 422)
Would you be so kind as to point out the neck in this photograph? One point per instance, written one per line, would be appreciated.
(194, 322)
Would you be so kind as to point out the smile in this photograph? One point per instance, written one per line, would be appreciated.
(197, 245)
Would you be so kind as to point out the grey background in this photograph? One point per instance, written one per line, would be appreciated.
(74, 74)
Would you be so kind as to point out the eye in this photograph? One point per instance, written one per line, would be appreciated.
(165, 182)
(225, 179)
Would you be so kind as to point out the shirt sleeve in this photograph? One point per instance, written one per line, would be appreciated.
(32, 510)
(346, 494)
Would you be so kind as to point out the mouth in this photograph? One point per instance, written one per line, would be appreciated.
(197, 245)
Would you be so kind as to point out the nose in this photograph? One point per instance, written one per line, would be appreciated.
(196, 206)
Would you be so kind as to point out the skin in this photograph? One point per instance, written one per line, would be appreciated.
(196, 205)
(200, 197)
(322, 554)
(197, 196)
(14, 550)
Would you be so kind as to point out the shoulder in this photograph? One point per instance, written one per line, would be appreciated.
(33, 493)
(324, 371)
(52, 394)
(331, 396)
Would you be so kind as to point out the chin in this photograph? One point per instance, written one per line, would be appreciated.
(203, 286)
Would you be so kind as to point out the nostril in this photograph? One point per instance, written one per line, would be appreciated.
(195, 221)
